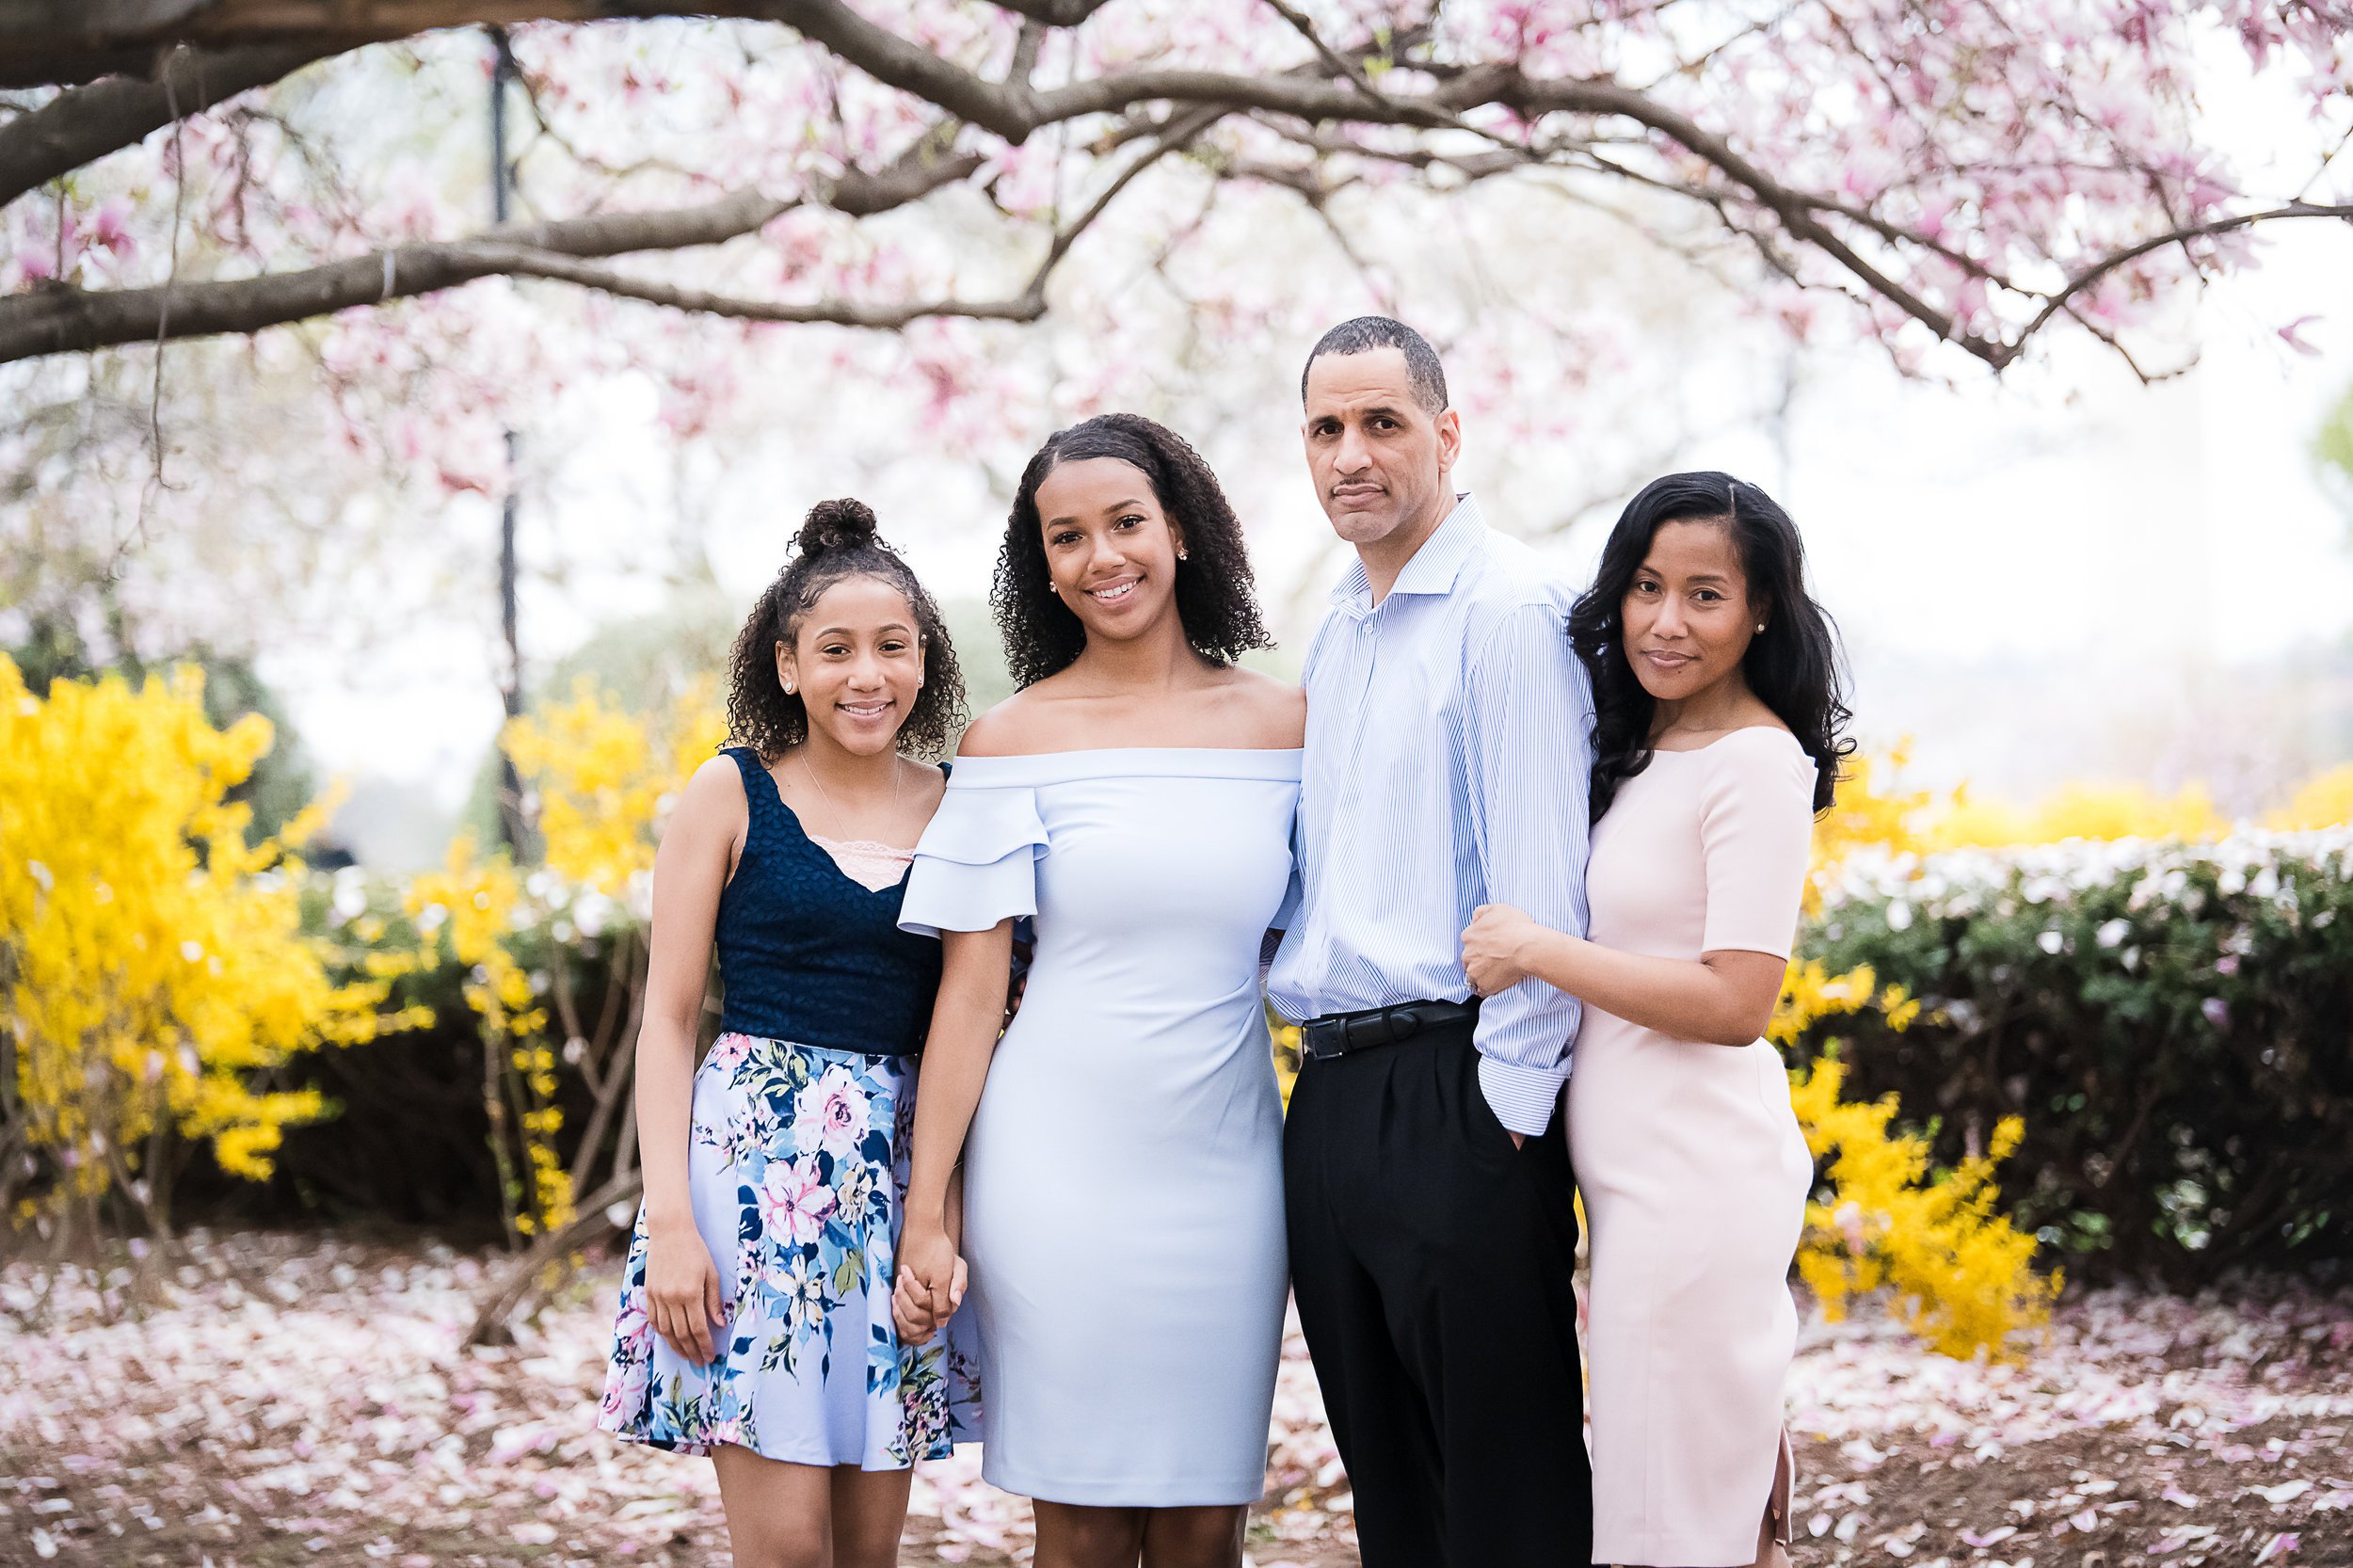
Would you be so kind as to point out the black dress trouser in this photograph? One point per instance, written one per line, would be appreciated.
(1432, 1262)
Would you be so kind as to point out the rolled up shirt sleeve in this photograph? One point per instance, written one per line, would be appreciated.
(1528, 756)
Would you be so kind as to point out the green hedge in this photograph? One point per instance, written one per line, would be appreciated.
(2174, 1024)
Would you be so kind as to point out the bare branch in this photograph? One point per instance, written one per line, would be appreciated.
(1053, 13)
(1338, 63)
(2063, 300)
(1002, 107)
(1470, 166)
(83, 124)
(522, 262)
(1181, 133)
(1031, 39)
(1027, 305)
(61, 319)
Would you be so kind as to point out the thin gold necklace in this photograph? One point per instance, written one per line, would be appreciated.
(826, 795)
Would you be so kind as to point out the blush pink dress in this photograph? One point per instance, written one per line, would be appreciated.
(1693, 1170)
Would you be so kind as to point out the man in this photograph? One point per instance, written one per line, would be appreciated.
(1426, 1163)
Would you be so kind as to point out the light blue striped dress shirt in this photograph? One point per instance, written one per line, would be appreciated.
(1449, 744)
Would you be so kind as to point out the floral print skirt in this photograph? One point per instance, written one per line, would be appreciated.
(797, 1172)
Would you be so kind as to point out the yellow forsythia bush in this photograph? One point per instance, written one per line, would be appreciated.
(153, 961)
(2323, 802)
(1960, 1276)
(2078, 812)
(601, 781)
(470, 912)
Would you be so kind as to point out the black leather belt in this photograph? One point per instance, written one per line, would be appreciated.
(1335, 1035)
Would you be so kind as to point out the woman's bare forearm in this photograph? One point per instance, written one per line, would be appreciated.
(965, 1024)
(1722, 998)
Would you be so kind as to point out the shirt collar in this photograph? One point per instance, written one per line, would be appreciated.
(1435, 566)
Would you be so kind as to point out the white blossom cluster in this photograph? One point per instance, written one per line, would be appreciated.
(2282, 869)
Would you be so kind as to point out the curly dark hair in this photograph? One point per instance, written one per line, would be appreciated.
(1215, 596)
(1792, 665)
(836, 541)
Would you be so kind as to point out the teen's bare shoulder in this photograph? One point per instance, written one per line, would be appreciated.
(716, 783)
(714, 799)
(1272, 711)
(1010, 728)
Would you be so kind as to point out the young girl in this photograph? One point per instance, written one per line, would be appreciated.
(755, 1319)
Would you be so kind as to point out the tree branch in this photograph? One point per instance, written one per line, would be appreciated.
(1027, 305)
(48, 42)
(1333, 61)
(1327, 92)
(83, 124)
(1026, 46)
(1053, 13)
(519, 262)
(2063, 300)
(1795, 210)
(60, 319)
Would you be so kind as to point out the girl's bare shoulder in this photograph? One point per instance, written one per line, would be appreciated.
(1272, 711)
(1021, 724)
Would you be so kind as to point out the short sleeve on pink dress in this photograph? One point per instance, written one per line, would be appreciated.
(1756, 832)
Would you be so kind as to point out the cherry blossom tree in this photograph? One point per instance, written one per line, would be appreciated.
(1969, 171)
(246, 269)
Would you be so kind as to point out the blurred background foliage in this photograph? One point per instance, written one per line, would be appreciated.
(2103, 1032)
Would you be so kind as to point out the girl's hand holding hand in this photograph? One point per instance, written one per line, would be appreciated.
(683, 1296)
(1494, 946)
(930, 1284)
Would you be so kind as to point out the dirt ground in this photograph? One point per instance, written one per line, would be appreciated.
(259, 1400)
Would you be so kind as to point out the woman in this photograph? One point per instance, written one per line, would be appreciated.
(755, 1321)
(1122, 1172)
(1715, 742)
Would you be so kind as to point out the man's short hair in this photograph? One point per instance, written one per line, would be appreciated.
(1367, 333)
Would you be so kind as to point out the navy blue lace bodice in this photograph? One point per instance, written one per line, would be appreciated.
(809, 955)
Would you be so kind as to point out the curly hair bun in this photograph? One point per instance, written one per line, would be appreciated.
(842, 524)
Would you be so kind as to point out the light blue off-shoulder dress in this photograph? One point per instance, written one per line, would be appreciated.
(1124, 1174)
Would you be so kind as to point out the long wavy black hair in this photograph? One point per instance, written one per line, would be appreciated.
(1216, 599)
(836, 541)
(1793, 666)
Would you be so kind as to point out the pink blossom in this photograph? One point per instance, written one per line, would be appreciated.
(2292, 334)
(109, 228)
